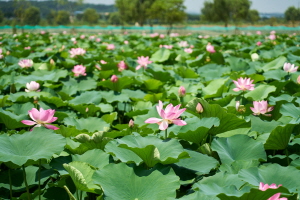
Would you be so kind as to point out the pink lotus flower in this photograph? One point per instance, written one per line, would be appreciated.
(122, 66)
(288, 67)
(188, 50)
(26, 63)
(298, 79)
(82, 36)
(126, 42)
(161, 36)
(169, 116)
(154, 35)
(181, 91)
(174, 34)
(76, 52)
(258, 32)
(273, 32)
(272, 37)
(79, 70)
(143, 62)
(110, 47)
(32, 87)
(258, 43)
(166, 46)
(261, 107)
(98, 40)
(103, 62)
(114, 78)
(264, 187)
(43, 32)
(183, 44)
(27, 48)
(243, 84)
(41, 118)
(131, 123)
(199, 108)
(276, 197)
(210, 48)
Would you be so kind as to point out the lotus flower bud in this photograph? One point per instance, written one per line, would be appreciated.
(181, 91)
(199, 108)
(114, 78)
(298, 79)
(82, 138)
(52, 62)
(131, 123)
(240, 108)
(254, 57)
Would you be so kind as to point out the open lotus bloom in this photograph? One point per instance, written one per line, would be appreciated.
(210, 48)
(188, 50)
(110, 47)
(170, 115)
(261, 107)
(277, 197)
(76, 52)
(79, 70)
(41, 118)
(32, 87)
(243, 84)
(272, 37)
(122, 66)
(143, 62)
(288, 67)
(26, 63)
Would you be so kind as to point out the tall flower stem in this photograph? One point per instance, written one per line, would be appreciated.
(10, 184)
(39, 179)
(287, 156)
(26, 184)
(166, 133)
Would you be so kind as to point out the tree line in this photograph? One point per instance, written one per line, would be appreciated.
(128, 12)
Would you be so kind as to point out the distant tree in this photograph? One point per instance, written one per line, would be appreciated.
(253, 16)
(292, 14)
(239, 9)
(272, 21)
(173, 12)
(134, 10)
(90, 15)
(225, 10)
(1, 16)
(32, 16)
(62, 17)
(114, 18)
(20, 6)
(51, 17)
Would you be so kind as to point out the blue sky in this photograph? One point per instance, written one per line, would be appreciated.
(194, 6)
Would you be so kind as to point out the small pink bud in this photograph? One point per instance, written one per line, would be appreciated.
(131, 123)
(52, 62)
(87, 109)
(114, 78)
(181, 91)
(199, 108)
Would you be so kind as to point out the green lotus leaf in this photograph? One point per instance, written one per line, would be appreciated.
(254, 194)
(198, 162)
(122, 83)
(88, 97)
(91, 123)
(275, 64)
(124, 155)
(125, 183)
(186, 72)
(81, 174)
(153, 84)
(221, 182)
(279, 137)
(272, 173)
(33, 145)
(153, 150)
(261, 92)
(18, 183)
(196, 129)
(263, 126)
(42, 75)
(161, 55)
(112, 96)
(238, 147)
(96, 158)
(198, 195)
(228, 121)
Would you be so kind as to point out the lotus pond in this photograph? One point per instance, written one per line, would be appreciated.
(149, 117)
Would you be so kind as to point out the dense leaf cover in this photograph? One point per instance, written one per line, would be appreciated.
(231, 137)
